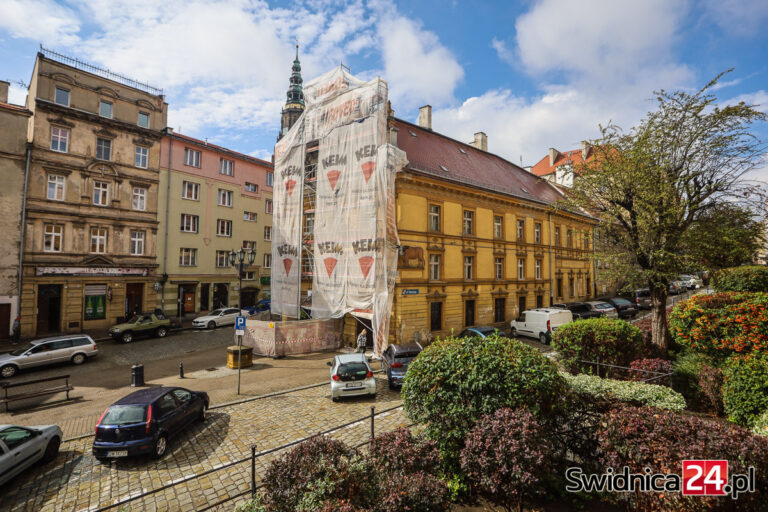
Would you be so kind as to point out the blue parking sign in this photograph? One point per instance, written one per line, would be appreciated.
(240, 323)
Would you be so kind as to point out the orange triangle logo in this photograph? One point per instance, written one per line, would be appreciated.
(287, 264)
(367, 168)
(289, 186)
(366, 262)
(330, 264)
(333, 177)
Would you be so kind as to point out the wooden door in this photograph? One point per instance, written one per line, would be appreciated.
(48, 308)
(5, 321)
(189, 302)
(133, 298)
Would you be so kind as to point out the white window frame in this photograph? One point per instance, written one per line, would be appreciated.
(434, 217)
(225, 197)
(102, 188)
(139, 202)
(191, 157)
(226, 166)
(190, 186)
(141, 157)
(138, 119)
(61, 138)
(67, 91)
(249, 245)
(270, 179)
(537, 232)
(521, 229)
(111, 109)
(267, 260)
(498, 227)
(521, 268)
(468, 222)
(538, 269)
(59, 184)
(188, 219)
(187, 257)
(250, 216)
(137, 243)
(53, 238)
(251, 187)
(498, 267)
(249, 275)
(434, 267)
(99, 238)
(267, 233)
(104, 143)
(469, 263)
(222, 259)
(268, 206)
(223, 227)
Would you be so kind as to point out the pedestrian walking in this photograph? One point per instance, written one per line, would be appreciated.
(362, 341)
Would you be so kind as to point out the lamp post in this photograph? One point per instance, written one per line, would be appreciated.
(238, 260)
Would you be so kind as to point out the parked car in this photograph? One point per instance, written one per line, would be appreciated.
(76, 348)
(153, 323)
(21, 447)
(479, 332)
(351, 375)
(606, 309)
(540, 323)
(641, 298)
(580, 310)
(624, 308)
(677, 287)
(395, 360)
(691, 282)
(262, 305)
(216, 318)
(143, 422)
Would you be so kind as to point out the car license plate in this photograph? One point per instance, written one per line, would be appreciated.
(118, 453)
(354, 384)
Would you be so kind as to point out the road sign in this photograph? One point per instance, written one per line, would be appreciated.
(240, 325)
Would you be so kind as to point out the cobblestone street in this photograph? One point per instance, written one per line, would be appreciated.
(75, 481)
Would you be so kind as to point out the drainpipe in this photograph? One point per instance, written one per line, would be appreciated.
(167, 214)
(23, 225)
(594, 265)
(551, 262)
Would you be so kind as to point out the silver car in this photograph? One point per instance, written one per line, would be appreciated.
(75, 348)
(606, 309)
(20, 447)
(351, 375)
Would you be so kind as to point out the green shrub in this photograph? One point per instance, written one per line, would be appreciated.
(685, 379)
(636, 393)
(761, 425)
(751, 278)
(455, 381)
(745, 390)
(597, 339)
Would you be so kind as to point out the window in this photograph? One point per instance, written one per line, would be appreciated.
(249, 276)
(103, 149)
(225, 197)
(189, 223)
(59, 139)
(61, 97)
(226, 167)
(268, 233)
(249, 245)
(139, 198)
(434, 217)
(52, 238)
(498, 268)
(538, 269)
(190, 191)
(539, 301)
(497, 226)
(100, 193)
(137, 243)
(270, 178)
(105, 109)
(588, 291)
(435, 316)
(521, 229)
(222, 259)
(250, 216)
(468, 221)
(15, 436)
(571, 287)
(568, 238)
(499, 308)
(191, 157)
(434, 267)
(143, 120)
(469, 312)
(56, 187)
(268, 206)
(98, 240)
(559, 286)
(537, 232)
(557, 236)
(142, 157)
(520, 268)
(223, 227)
(188, 257)
(267, 260)
(586, 240)
(469, 262)
(251, 187)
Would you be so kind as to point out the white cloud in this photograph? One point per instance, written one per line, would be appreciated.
(503, 52)
(742, 18)
(40, 20)
(758, 99)
(17, 95)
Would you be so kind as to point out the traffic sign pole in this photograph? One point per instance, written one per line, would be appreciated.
(239, 331)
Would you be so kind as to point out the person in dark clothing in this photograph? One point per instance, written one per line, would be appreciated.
(362, 341)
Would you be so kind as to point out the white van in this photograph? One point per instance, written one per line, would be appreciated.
(540, 323)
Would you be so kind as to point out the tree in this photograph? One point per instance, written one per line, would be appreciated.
(652, 185)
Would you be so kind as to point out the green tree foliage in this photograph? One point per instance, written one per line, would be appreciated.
(603, 340)
(750, 278)
(745, 391)
(653, 184)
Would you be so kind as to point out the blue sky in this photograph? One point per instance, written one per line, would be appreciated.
(531, 74)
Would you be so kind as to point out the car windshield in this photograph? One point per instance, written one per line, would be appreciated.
(135, 318)
(216, 312)
(21, 349)
(621, 301)
(405, 358)
(124, 414)
(352, 369)
(603, 306)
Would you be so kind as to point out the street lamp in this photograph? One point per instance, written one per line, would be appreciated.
(238, 260)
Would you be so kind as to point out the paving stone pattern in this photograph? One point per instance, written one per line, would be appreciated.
(75, 481)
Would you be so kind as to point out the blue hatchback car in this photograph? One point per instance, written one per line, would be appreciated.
(142, 422)
(395, 360)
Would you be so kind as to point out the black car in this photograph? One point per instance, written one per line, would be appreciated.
(580, 310)
(142, 422)
(624, 308)
(395, 361)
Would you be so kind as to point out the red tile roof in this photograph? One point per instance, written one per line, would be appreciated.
(220, 148)
(542, 167)
(15, 108)
(437, 156)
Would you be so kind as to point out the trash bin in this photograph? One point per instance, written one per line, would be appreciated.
(137, 375)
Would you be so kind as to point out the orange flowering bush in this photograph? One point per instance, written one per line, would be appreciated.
(722, 324)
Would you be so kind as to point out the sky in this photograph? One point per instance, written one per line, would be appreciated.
(531, 74)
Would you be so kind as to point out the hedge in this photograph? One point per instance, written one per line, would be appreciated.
(638, 393)
(745, 389)
(602, 340)
(750, 278)
(761, 425)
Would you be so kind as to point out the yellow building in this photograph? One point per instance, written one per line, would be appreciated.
(214, 201)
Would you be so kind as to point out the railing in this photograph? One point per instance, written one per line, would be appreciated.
(657, 375)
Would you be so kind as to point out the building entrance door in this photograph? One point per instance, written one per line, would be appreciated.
(220, 295)
(48, 308)
(205, 296)
(5, 321)
(248, 296)
(133, 298)
(520, 305)
(469, 313)
(189, 302)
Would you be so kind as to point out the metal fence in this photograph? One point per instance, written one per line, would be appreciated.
(654, 374)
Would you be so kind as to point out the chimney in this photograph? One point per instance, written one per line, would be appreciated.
(425, 117)
(481, 141)
(553, 154)
(585, 147)
(4, 91)
(393, 136)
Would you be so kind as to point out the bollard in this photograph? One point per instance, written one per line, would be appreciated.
(253, 471)
(372, 414)
(181, 370)
(137, 375)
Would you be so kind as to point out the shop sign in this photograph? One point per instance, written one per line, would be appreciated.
(411, 291)
(90, 271)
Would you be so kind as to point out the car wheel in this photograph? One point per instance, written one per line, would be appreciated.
(161, 446)
(161, 332)
(513, 333)
(389, 382)
(201, 415)
(52, 450)
(127, 337)
(211, 324)
(78, 359)
(543, 338)
(8, 371)
(334, 398)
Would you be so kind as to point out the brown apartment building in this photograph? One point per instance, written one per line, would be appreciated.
(91, 219)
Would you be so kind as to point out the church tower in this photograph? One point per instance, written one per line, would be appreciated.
(294, 103)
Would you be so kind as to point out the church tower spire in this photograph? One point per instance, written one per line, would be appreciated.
(294, 103)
